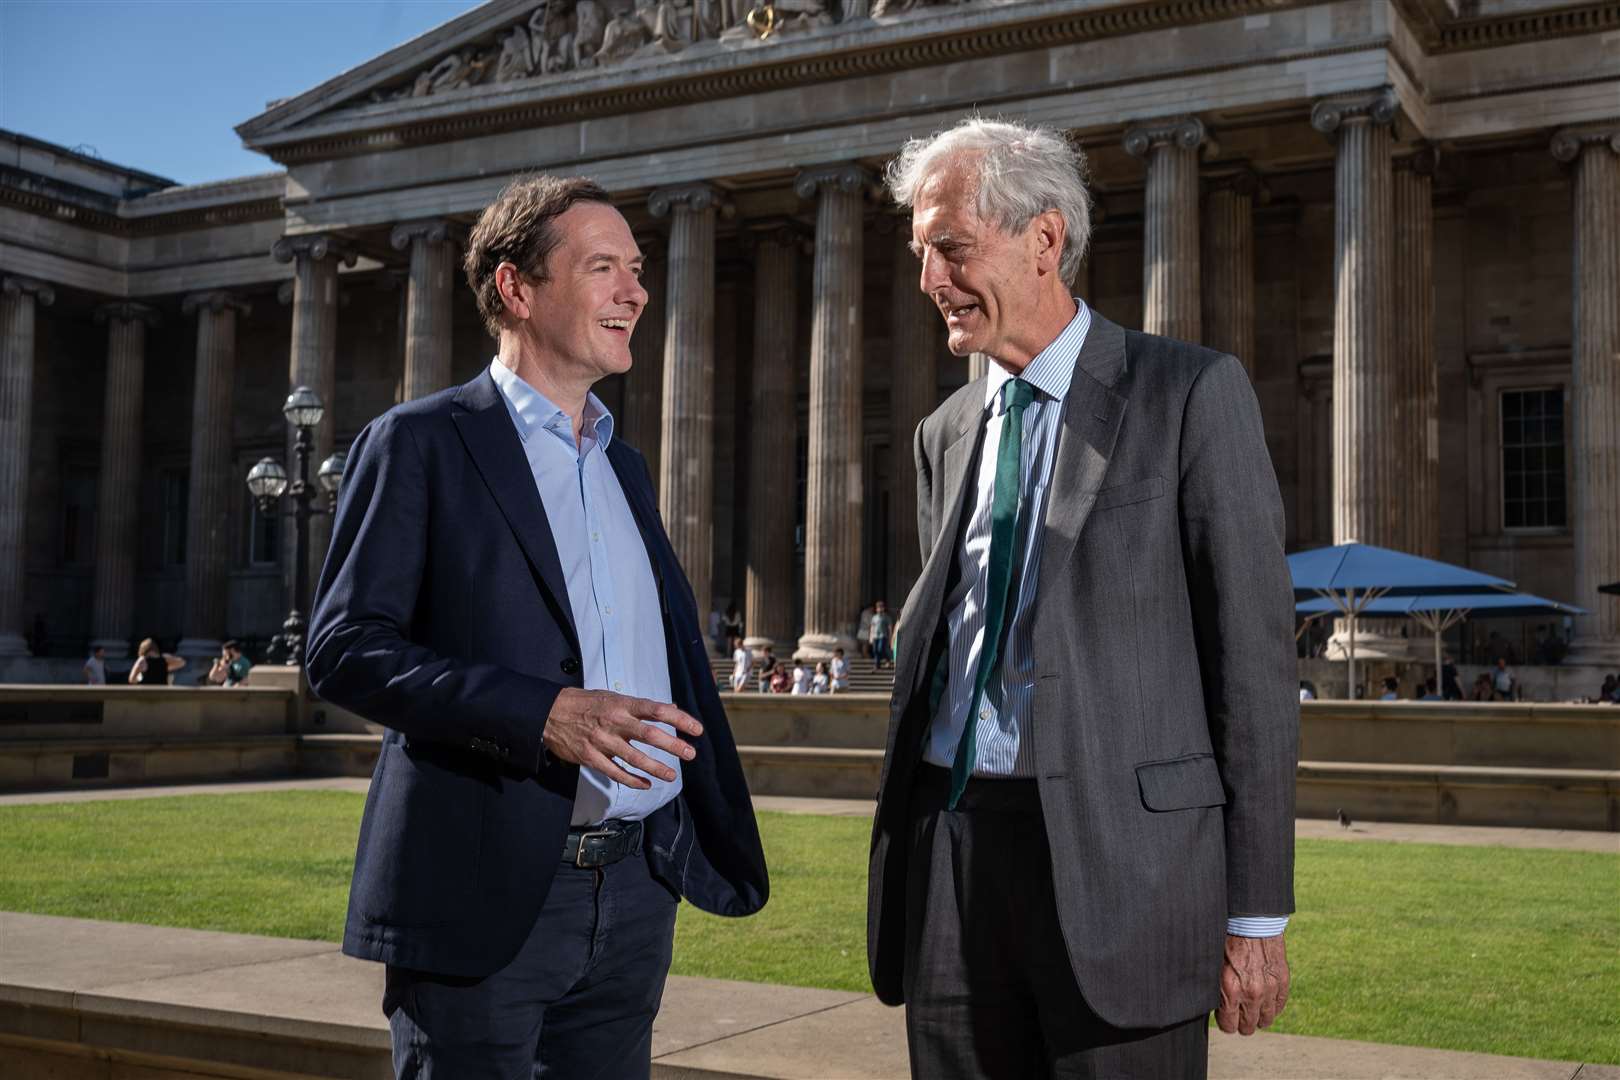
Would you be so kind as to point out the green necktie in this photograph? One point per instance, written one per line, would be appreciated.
(1016, 396)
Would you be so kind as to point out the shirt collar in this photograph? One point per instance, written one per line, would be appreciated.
(532, 411)
(1052, 370)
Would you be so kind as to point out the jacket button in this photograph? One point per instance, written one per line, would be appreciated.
(570, 665)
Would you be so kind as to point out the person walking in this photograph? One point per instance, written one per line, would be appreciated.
(742, 665)
(838, 673)
(95, 667)
(881, 631)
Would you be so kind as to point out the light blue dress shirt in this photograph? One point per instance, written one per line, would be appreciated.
(611, 588)
(1004, 711)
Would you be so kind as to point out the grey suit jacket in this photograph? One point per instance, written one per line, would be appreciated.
(1166, 715)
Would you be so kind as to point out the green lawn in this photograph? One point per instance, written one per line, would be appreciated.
(1500, 950)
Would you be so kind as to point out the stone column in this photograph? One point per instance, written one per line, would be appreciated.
(644, 385)
(769, 592)
(1416, 374)
(118, 488)
(210, 491)
(978, 365)
(686, 459)
(1228, 258)
(18, 299)
(427, 306)
(1595, 386)
(914, 348)
(1170, 286)
(312, 362)
(833, 512)
(1365, 454)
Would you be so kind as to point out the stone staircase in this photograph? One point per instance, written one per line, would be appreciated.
(863, 677)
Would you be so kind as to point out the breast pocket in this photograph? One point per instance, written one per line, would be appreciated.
(1135, 491)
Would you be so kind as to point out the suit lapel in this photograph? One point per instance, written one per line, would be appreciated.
(492, 441)
(1091, 419)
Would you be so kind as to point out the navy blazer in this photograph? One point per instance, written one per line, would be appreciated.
(442, 614)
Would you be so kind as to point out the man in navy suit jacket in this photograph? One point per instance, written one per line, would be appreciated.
(557, 771)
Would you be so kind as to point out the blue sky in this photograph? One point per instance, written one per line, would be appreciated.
(160, 85)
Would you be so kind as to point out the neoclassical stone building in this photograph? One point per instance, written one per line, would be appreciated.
(1404, 216)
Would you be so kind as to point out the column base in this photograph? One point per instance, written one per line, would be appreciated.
(759, 643)
(1377, 640)
(815, 647)
(1593, 652)
(14, 645)
(117, 648)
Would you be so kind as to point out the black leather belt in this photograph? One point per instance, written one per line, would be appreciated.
(601, 845)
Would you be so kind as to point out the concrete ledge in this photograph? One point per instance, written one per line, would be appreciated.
(81, 999)
(833, 773)
(1461, 794)
(33, 764)
(56, 712)
(1510, 734)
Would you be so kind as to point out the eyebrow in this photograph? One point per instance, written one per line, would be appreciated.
(944, 239)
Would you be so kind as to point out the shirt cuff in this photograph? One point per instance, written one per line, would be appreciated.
(1256, 925)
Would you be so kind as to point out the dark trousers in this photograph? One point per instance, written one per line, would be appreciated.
(989, 988)
(577, 1002)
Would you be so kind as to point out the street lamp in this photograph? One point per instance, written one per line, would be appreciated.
(268, 482)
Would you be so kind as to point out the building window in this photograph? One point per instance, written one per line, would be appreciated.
(176, 485)
(264, 535)
(1533, 459)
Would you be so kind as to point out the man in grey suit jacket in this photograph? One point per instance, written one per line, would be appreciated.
(1084, 834)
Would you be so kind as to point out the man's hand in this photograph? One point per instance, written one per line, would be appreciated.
(1254, 983)
(592, 727)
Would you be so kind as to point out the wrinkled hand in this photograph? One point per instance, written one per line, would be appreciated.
(592, 727)
(1254, 983)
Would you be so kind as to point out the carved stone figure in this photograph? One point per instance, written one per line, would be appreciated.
(623, 37)
(589, 26)
(551, 38)
(515, 60)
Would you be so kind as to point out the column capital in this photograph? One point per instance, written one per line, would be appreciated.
(1379, 107)
(1184, 132)
(1243, 180)
(215, 300)
(693, 197)
(846, 176)
(432, 231)
(43, 294)
(127, 311)
(1568, 143)
(315, 246)
(1424, 160)
(781, 231)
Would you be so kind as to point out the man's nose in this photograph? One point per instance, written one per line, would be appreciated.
(934, 274)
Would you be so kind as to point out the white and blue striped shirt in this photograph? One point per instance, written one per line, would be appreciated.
(1004, 711)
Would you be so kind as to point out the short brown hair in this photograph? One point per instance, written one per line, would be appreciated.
(516, 228)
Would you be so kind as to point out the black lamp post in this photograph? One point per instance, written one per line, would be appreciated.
(268, 481)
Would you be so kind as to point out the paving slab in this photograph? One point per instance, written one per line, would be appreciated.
(199, 993)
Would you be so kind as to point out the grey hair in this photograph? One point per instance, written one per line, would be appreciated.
(1023, 171)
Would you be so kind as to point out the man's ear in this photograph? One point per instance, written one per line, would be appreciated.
(516, 292)
(1049, 231)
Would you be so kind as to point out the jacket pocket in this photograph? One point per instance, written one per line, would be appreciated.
(1181, 783)
(1133, 492)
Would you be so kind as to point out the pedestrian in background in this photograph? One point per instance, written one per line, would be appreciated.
(95, 668)
(153, 666)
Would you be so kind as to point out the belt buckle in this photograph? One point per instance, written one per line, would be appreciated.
(579, 855)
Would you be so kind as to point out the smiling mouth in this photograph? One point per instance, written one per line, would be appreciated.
(616, 326)
(960, 312)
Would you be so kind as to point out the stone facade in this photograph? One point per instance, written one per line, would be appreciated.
(1403, 219)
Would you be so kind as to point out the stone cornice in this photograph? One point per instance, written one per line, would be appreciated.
(315, 246)
(694, 197)
(1567, 144)
(1183, 132)
(154, 225)
(849, 178)
(127, 311)
(1465, 35)
(1329, 115)
(216, 301)
(16, 284)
